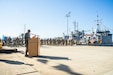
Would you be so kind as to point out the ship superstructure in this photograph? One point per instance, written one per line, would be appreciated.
(98, 36)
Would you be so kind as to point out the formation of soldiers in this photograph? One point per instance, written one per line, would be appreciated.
(58, 42)
(16, 42)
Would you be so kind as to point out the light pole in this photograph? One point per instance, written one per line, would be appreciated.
(67, 15)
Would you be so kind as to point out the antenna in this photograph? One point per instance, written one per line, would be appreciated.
(97, 19)
(98, 25)
(77, 26)
(74, 25)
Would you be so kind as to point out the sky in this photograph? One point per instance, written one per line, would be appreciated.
(47, 18)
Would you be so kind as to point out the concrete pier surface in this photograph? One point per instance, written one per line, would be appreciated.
(59, 60)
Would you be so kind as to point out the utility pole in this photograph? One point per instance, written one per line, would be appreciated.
(67, 15)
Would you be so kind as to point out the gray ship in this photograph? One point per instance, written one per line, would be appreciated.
(97, 37)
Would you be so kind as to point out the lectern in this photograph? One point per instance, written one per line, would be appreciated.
(33, 46)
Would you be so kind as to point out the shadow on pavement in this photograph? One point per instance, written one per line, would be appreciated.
(54, 57)
(11, 62)
(29, 64)
(27, 73)
(60, 67)
(65, 68)
(14, 62)
(8, 51)
(43, 61)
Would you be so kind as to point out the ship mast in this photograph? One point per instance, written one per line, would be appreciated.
(75, 26)
(98, 25)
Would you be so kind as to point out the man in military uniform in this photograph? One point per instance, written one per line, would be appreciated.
(27, 37)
